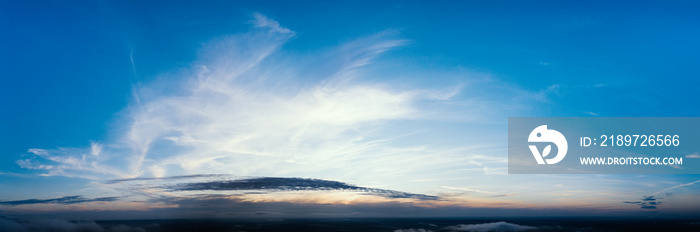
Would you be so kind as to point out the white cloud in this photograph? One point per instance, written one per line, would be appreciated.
(591, 113)
(493, 226)
(468, 189)
(693, 156)
(240, 120)
(95, 149)
(245, 108)
(264, 22)
(675, 187)
(544, 94)
(73, 162)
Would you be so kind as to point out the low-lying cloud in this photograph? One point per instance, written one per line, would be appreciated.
(483, 227)
(488, 227)
(647, 202)
(67, 200)
(413, 230)
(51, 225)
(295, 184)
(262, 185)
(208, 185)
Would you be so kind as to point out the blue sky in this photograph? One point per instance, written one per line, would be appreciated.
(403, 98)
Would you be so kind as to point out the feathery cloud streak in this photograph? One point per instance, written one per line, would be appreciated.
(248, 108)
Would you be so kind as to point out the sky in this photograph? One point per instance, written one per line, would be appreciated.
(134, 110)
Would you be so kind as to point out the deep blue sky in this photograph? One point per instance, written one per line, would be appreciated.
(77, 73)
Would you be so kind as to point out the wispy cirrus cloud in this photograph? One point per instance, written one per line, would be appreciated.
(262, 21)
(675, 187)
(591, 113)
(85, 163)
(247, 107)
(233, 111)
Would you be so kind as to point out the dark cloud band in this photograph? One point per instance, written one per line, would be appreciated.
(67, 200)
(275, 184)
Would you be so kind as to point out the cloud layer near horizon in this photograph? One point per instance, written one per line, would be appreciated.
(61, 200)
(223, 186)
